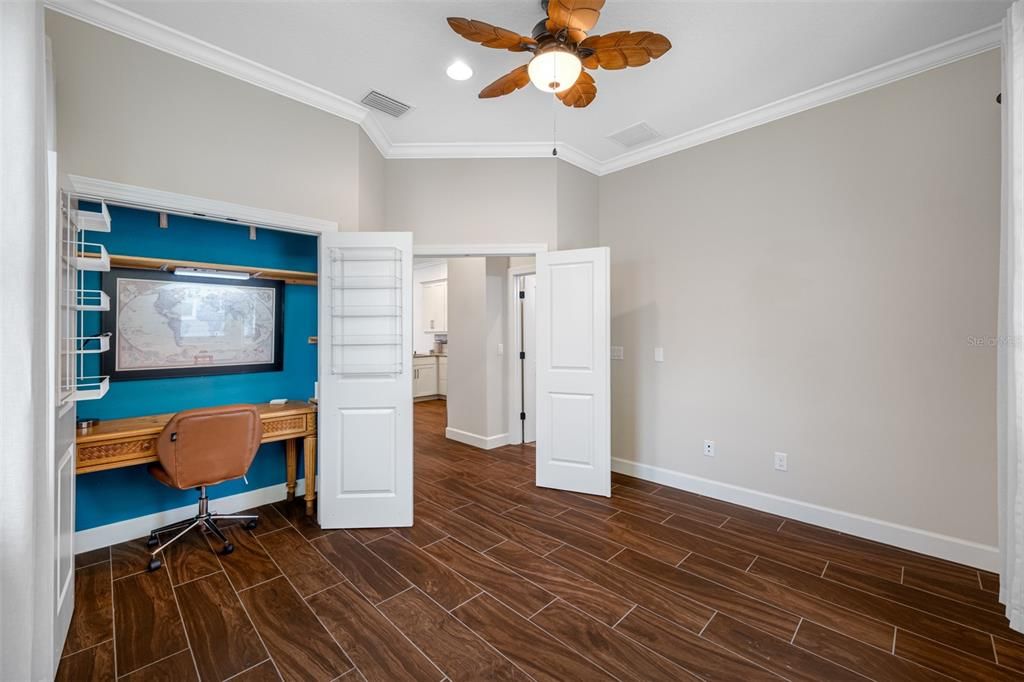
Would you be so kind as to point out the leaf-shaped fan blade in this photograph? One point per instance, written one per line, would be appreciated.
(582, 92)
(575, 16)
(623, 48)
(509, 83)
(490, 36)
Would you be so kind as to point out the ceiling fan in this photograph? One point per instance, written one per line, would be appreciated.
(562, 50)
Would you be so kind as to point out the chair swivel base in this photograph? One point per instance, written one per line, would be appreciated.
(204, 519)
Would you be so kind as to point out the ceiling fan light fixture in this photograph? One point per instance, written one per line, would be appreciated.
(459, 71)
(554, 69)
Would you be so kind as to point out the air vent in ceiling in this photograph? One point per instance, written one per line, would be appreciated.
(381, 102)
(635, 135)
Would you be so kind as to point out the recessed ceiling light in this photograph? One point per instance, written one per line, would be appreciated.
(459, 71)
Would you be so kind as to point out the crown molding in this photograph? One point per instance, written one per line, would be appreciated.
(498, 150)
(119, 193)
(126, 23)
(903, 67)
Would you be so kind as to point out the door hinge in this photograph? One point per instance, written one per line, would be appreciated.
(522, 294)
(522, 355)
(522, 416)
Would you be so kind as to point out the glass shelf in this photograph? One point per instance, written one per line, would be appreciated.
(91, 388)
(366, 253)
(86, 345)
(367, 310)
(385, 369)
(91, 300)
(94, 221)
(369, 340)
(366, 282)
(92, 257)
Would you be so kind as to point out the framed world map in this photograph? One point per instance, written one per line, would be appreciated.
(163, 325)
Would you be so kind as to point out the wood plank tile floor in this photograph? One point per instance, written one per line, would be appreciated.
(499, 579)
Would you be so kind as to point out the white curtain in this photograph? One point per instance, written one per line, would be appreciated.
(26, 566)
(1011, 325)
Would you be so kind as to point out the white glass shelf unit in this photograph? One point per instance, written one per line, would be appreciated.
(77, 257)
(366, 311)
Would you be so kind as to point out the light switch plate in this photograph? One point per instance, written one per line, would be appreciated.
(618, 353)
(659, 355)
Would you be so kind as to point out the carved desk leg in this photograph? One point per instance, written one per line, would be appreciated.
(291, 462)
(309, 445)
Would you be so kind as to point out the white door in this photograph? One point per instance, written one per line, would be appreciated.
(61, 323)
(365, 374)
(61, 445)
(573, 371)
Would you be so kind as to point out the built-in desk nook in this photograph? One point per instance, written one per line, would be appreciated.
(186, 312)
(131, 441)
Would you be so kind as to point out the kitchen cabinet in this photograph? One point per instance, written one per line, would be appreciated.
(442, 375)
(435, 306)
(424, 377)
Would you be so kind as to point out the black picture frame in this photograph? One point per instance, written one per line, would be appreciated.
(108, 323)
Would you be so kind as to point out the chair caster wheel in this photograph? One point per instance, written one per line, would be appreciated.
(228, 548)
(154, 564)
(251, 525)
(153, 541)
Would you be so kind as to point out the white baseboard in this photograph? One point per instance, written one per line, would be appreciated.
(476, 440)
(129, 529)
(914, 539)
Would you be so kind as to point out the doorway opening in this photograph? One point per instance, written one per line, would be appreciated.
(473, 365)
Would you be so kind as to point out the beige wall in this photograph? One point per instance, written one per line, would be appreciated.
(493, 201)
(815, 284)
(476, 373)
(371, 185)
(132, 114)
(472, 201)
(577, 210)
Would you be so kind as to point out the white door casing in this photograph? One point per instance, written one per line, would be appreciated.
(365, 380)
(574, 371)
(529, 368)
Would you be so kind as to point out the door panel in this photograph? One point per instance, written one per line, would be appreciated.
(573, 445)
(573, 371)
(365, 379)
(368, 451)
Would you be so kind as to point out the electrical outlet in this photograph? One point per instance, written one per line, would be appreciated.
(709, 448)
(618, 353)
(780, 461)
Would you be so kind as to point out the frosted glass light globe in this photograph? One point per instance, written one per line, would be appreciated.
(554, 70)
(459, 71)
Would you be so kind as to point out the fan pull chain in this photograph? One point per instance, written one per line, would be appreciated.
(554, 126)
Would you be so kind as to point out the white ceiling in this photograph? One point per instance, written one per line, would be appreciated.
(727, 58)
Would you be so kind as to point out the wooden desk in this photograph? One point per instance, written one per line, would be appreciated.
(116, 443)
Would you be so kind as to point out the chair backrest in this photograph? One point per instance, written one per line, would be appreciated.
(209, 445)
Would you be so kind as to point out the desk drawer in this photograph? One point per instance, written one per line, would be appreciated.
(107, 455)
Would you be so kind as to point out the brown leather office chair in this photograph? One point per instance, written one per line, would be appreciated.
(204, 447)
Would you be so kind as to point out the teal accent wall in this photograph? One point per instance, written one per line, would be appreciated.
(110, 496)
